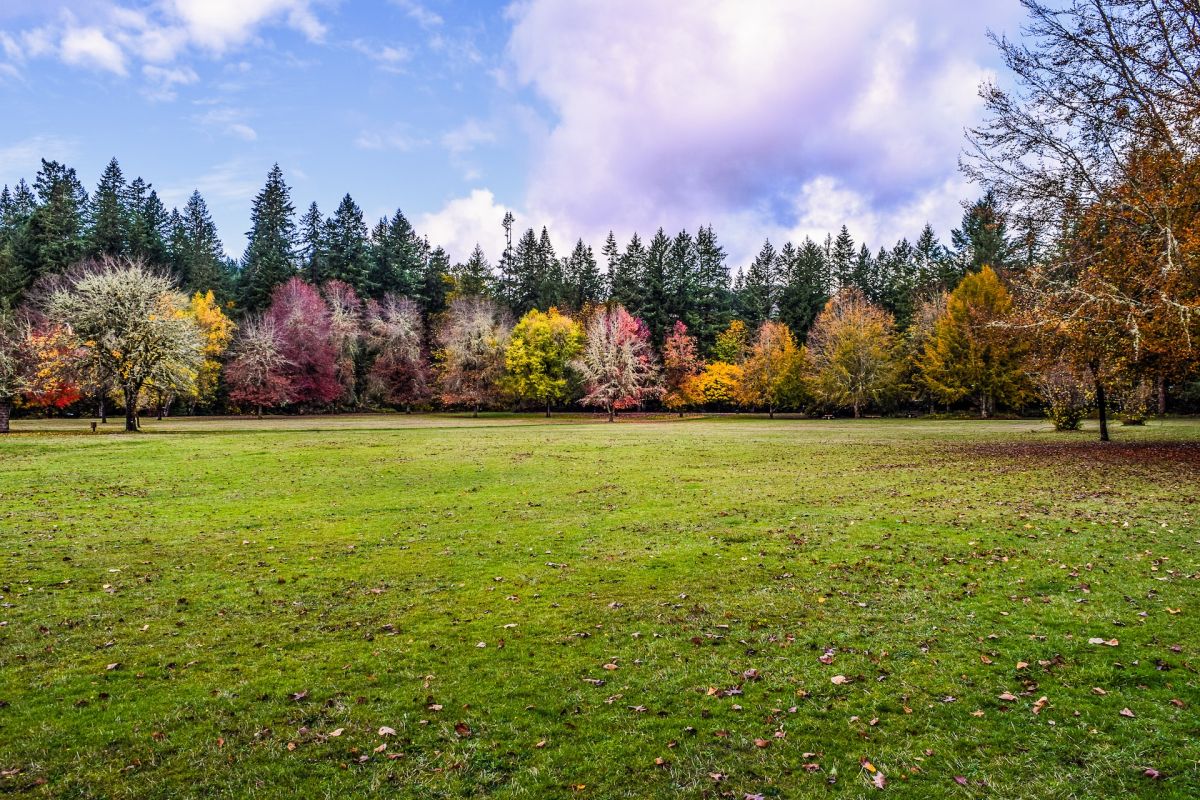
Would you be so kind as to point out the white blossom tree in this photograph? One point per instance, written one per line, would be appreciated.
(617, 364)
(131, 324)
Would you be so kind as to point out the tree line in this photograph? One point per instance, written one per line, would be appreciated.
(1071, 283)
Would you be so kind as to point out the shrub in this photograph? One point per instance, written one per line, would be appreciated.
(1067, 395)
(1133, 403)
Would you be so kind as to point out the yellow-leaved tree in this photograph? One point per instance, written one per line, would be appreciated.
(216, 331)
(972, 353)
(538, 360)
(773, 372)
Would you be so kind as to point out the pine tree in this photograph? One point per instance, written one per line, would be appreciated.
(584, 283)
(347, 241)
(681, 282)
(397, 264)
(627, 275)
(53, 239)
(435, 282)
(550, 274)
(16, 207)
(270, 251)
(930, 256)
(759, 292)
(653, 307)
(474, 278)
(841, 258)
(806, 285)
(312, 246)
(149, 224)
(110, 215)
(523, 283)
(198, 251)
(982, 241)
(714, 307)
(612, 258)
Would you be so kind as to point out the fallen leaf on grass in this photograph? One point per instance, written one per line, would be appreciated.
(838, 680)
(960, 780)
(610, 666)
(1007, 697)
(336, 733)
(1125, 712)
(462, 729)
(761, 743)
(386, 731)
(112, 666)
(1109, 642)
(1152, 774)
(1041, 703)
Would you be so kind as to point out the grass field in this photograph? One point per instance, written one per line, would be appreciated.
(437, 607)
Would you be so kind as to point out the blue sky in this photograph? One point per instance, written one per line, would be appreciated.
(765, 119)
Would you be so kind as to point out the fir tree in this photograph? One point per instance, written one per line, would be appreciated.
(270, 251)
(628, 275)
(681, 282)
(653, 306)
(549, 271)
(110, 215)
(197, 250)
(584, 283)
(312, 246)
(759, 291)
(714, 308)
(841, 258)
(982, 241)
(347, 242)
(805, 285)
(474, 278)
(149, 224)
(53, 239)
(435, 282)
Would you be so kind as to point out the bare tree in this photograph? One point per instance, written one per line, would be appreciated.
(471, 342)
(257, 371)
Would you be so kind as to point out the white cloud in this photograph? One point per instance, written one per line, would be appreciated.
(163, 80)
(230, 121)
(771, 117)
(398, 138)
(390, 58)
(420, 14)
(90, 47)
(219, 25)
(467, 136)
(466, 221)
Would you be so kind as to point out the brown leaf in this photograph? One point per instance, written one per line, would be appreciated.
(1098, 640)
(761, 743)
(610, 666)
(1022, 664)
(540, 744)
(336, 733)
(1041, 703)
(1152, 774)
(113, 666)
(960, 780)
(1007, 697)
(386, 731)
(462, 729)
(985, 659)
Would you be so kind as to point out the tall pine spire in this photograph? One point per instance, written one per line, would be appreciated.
(270, 252)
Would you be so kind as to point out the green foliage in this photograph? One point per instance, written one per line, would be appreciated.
(271, 249)
(732, 344)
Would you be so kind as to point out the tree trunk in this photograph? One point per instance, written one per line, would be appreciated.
(258, 412)
(611, 414)
(5, 414)
(770, 412)
(160, 411)
(857, 412)
(1101, 406)
(983, 406)
(547, 409)
(1161, 387)
(408, 408)
(475, 412)
(131, 415)
(681, 413)
(103, 410)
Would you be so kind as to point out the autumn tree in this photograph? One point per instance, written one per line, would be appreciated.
(973, 352)
(773, 372)
(538, 360)
(216, 331)
(130, 323)
(395, 334)
(718, 384)
(681, 363)
(304, 325)
(851, 352)
(732, 344)
(1095, 145)
(13, 363)
(471, 342)
(52, 375)
(617, 363)
(257, 369)
(346, 336)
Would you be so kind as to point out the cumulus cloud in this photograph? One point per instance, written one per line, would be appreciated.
(466, 221)
(108, 36)
(768, 116)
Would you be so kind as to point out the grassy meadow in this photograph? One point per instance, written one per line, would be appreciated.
(441, 607)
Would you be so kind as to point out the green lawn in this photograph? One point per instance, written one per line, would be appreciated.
(245, 609)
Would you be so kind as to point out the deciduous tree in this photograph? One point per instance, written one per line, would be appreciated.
(851, 351)
(617, 363)
(395, 335)
(471, 342)
(681, 364)
(773, 373)
(257, 372)
(538, 360)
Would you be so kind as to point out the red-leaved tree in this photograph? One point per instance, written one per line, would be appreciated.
(257, 372)
(305, 328)
(617, 364)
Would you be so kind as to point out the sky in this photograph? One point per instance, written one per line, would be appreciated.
(764, 118)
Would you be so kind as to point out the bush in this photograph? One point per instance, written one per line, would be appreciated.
(1133, 403)
(1068, 396)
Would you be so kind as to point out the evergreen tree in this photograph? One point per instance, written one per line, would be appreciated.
(397, 258)
(584, 283)
(474, 278)
(899, 282)
(347, 242)
(653, 306)
(312, 246)
(110, 216)
(522, 283)
(16, 208)
(270, 251)
(841, 258)
(435, 282)
(805, 285)
(759, 291)
(627, 275)
(714, 307)
(612, 258)
(53, 238)
(149, 224)
(197, 250)
(550, 274)
(982, 241)
(681, 282)
(930, 257)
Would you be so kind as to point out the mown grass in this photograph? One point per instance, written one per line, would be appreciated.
(259, 586)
